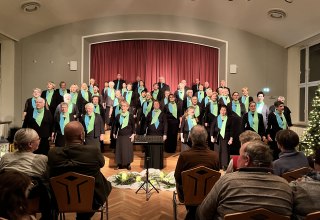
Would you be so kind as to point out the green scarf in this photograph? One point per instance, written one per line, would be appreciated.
(245, 101)
(64, 119)
(222, 125)
(155, 94)
(173, 109)
(97, 109)
(85, 95)
(253, 120)
(89, 123)
(196, 111)
(74, 98)
(38, 115)
(156, 116)
(260, 107)
(214, 108)
(128, 96)
(70, 107)
(124, 119)
(49, 96)
(236, 107)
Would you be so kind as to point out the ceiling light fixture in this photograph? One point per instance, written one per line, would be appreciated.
(277, 13)
(30, 6)
(288, 1)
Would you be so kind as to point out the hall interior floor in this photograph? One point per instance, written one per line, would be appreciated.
(125, 204)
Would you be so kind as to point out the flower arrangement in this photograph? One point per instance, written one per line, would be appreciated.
(127, 178)
(160, 179)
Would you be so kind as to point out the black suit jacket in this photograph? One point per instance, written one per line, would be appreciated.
(215, 130)
(82, 159)
(98, 128)
(246, 124)
(164, 88)
(195, 88)
(162, 128)
(45, 129)
(121, 81)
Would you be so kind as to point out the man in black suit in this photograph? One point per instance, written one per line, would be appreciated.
(136, 84)
(118, 82)
(195, 87)
(40, 119)
(85, 159)
(163, 86)
(59, 93)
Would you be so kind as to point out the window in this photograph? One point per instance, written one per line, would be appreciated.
(309, 78)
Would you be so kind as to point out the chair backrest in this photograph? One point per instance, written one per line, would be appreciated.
(73, 192)
(313, 216)
(295, 174)
(197, 183)
(261, 213)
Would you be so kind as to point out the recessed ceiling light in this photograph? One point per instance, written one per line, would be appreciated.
(277, 13)
(30, 6)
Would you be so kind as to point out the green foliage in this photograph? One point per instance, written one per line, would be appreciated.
(310, 140)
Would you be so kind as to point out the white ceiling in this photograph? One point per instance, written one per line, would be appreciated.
(302, 21)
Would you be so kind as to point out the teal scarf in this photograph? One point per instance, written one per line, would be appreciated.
(236, 107)
(200, 96)
(111, 93)
(89, 122)
(191, 122)
(124, 119)
(155, 117)
(214, 108)
(85, 95)
(222, 121)
(49, 94)
(38, 115)
(64, 119)
(173, 109)
(253, 120)
(155, 94)
(282, 122)
(128, 96)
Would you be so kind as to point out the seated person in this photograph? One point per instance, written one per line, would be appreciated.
(252, 187)
(244, 137)
(26, 141)
(306, 191)
(289, 158)
(198, 155)
(14, 189)
(80, 158)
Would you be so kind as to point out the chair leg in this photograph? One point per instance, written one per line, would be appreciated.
(174, 206)
(107, 209)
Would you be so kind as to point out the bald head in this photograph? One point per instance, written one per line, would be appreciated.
(74, 132)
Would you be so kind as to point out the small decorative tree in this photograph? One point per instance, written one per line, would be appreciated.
(310, 140)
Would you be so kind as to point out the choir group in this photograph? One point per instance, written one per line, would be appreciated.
(128, 109)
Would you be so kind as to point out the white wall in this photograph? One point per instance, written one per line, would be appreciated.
(7, 92)
(261, 63)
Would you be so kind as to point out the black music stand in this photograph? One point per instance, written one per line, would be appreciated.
(146, 182)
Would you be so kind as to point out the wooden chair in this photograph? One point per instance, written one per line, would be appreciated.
(295, 174)
(313, 216)
(256, 214)
(74, 193)
(197, 183)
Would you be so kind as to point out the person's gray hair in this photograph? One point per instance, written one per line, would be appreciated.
(198, 135)
(37, 89)
(248, 135)
(89, 105)
(41, 99)
(23, 137)
(259, 154)
(64, 103)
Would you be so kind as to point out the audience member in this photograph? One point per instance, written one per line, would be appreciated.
(198, 155)
(306, 191)
(80, 158)
(26, 141)
(244, 137)
(14, 189)
(289, 158)
(254, 186)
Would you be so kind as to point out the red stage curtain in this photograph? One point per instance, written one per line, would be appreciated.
(153, 58)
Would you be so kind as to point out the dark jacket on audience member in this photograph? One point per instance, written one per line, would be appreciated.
(289, 160)
(82, 159)
(196, 156)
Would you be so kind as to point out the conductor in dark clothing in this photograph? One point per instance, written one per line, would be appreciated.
(77, 157)
(198, 155)
(156, 124)
(118, 82)
(40, 119)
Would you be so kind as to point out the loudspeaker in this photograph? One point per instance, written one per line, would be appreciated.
(73, 65)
